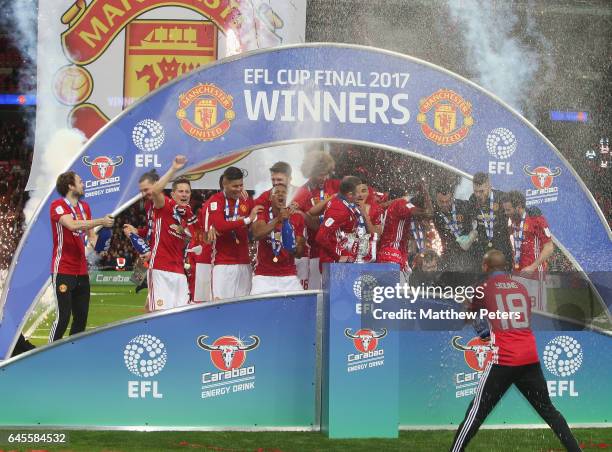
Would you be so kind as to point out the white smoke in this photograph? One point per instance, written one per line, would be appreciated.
(503, 62)
(63, 146)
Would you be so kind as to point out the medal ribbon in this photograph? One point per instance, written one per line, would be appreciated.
(234, 217)
(150, 223)
(452, 224)
(321, 198)
(489, 223)
(419, 236)
(517, 235)
(74, 215)
(276, 244)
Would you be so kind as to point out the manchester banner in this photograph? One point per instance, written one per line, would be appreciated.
(97, 57)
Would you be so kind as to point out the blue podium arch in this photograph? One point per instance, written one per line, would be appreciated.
(332, 92)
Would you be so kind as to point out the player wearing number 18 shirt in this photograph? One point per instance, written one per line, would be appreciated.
(515, 357)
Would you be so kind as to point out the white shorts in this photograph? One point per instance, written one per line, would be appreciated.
(275, 284)
(303, 270)
(167, 290)
(314, 274)
(230, 281)
(536, 288)
(202, 283)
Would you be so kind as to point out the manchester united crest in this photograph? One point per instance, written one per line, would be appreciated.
(205, 112)
(445, 117)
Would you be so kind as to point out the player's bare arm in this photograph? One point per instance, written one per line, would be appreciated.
(261, 228)
(428, 211)
(157, 192)
(129, 229)
(71, 224)
(299, 247)
(547, 251)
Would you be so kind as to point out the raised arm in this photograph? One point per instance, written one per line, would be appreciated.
(157, 192)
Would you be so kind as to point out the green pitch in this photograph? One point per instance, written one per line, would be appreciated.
(540, 440)
(108, 304)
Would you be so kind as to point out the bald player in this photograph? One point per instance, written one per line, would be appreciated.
(515, 358)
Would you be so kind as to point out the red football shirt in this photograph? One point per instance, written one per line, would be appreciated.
(376, 214)
(393, 243)
(512, 338)
(225, 250)
(338, 221)
(143, 231)
(535, 235)
(264, 265)
(68, 247)
(306, 197)
(168, 238)
(263, 199)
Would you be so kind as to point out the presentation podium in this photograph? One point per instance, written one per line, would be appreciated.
(360, 365)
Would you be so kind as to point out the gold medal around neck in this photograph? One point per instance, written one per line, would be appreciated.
(517, 266)
(275, 259)
(237, 242)
(490, 244)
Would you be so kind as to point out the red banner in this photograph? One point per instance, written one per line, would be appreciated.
(91, 30)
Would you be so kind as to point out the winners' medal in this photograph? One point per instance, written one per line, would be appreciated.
(490, 244)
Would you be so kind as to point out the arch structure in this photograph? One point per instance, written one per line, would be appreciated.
(320, 92)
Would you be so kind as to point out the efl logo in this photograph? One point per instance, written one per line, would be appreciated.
(211, 114)
(562, 357)
(144, 356)
(501, 144)
(477, 353)
(365, 340)
(451, 117)
(228, 352)
(148, 136)
(102, 167)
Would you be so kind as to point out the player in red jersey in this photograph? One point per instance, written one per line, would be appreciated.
(172, 218)
(280, 173)
(231, 215)
(531, 243)
(145, 185)
(70, 222)
(317, 167)
(203, 261)
(343, 225)
(515, 357)
(373, 214)
(275, 269)
(393, 245)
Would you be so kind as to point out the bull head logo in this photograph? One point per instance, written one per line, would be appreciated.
(542, 177)
(365, 340)
(227, 352)
(102, 167)
(477, 353)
